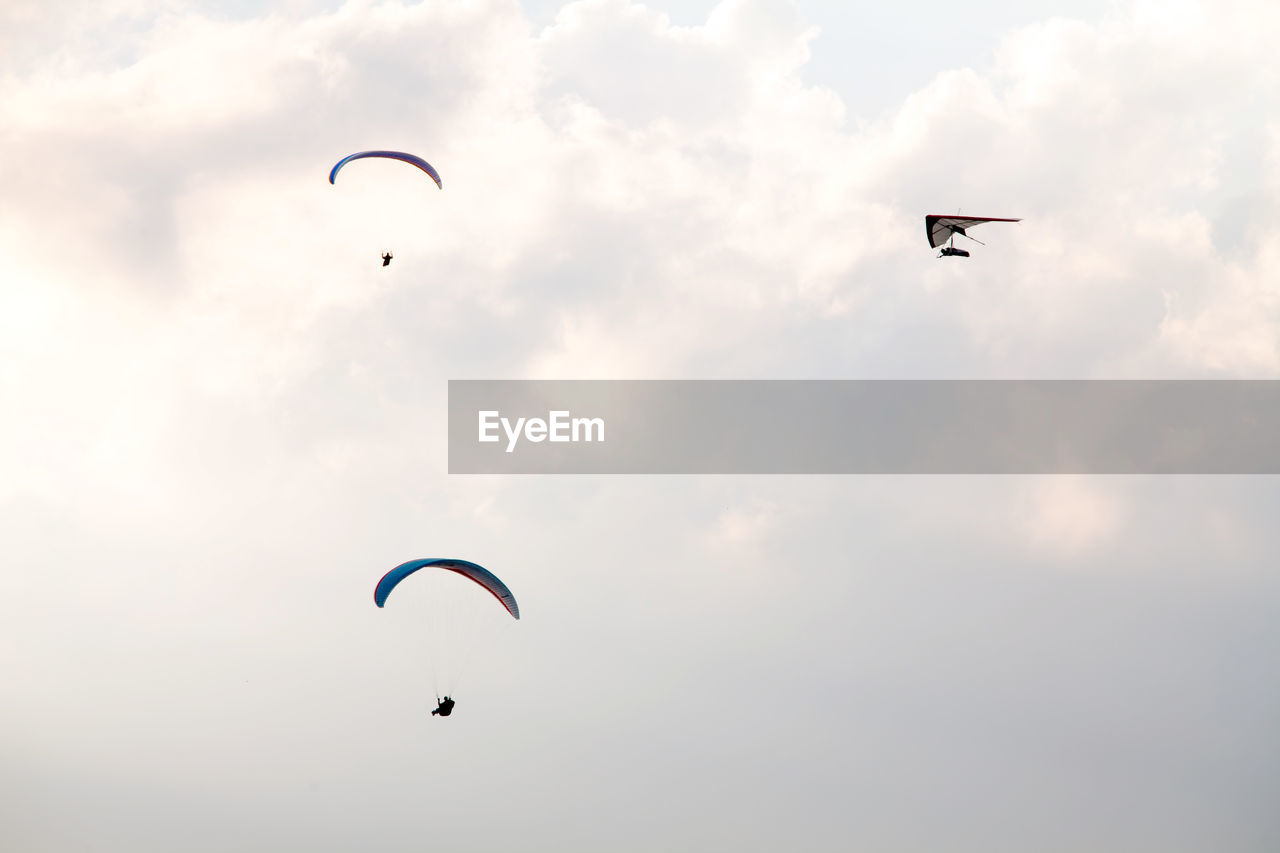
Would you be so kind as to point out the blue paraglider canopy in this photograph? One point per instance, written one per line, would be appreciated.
(479, 574)
(413, 159)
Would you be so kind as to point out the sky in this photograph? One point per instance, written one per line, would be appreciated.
(222, 420)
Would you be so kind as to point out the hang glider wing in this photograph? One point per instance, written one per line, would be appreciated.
(939, 228)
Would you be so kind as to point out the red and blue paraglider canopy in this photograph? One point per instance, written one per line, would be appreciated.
(479, 574)
(412, 159)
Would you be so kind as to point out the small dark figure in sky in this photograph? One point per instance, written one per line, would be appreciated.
(445, 709)
(386, 259)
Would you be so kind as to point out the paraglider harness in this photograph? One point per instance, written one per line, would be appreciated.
(446, 707)
(386, 259)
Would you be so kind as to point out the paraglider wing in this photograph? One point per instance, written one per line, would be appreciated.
(413, 159)
(939, 228)
(479, 574)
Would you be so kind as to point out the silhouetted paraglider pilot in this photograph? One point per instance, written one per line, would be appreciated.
(445, 709)
(386, 259)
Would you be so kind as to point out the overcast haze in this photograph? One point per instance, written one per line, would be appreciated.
(221, 421)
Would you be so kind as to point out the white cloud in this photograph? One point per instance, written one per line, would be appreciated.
(1072, 518)
(230, 418)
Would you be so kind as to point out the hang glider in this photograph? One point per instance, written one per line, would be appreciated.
(942, 228)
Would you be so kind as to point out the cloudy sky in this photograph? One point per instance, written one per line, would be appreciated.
(221, 420)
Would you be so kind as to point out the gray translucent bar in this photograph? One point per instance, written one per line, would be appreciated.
(865, 427)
